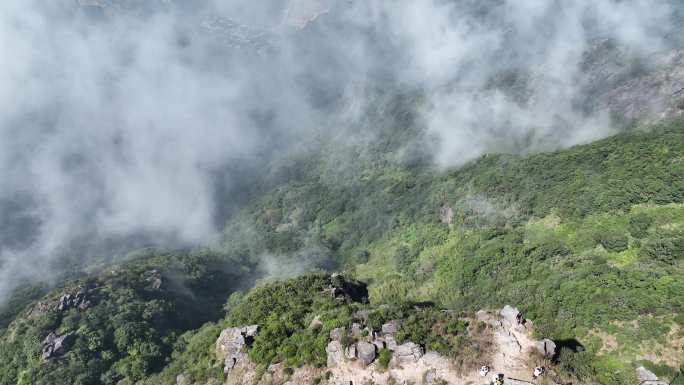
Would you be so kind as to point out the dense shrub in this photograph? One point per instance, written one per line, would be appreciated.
(612, 240)
(639, 224)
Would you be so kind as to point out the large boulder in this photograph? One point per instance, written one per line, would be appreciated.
(546, 347)
(510, 315)
(389, 328)
(231, 345)
(406, 353)
(365, 352)
(335, 353)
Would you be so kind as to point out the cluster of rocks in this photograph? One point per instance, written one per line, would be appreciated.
(232, 344)
(510, 318)
(55, 345)
(82, 300)
(369, 344)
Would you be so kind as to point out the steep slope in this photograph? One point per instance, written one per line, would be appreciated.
(588, 242)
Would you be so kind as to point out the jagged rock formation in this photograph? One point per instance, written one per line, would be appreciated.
(357, 363)
(231, 345)
(55, 345)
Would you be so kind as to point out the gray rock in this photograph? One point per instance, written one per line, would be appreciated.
(510, 313)
(350, 352)
(406, 353)
(391, 343)
(431, 376)
(337, 334)
(334, 352)
(55, 345)
(365, 352)
(182, 379)
(273, 368)
(389, 328)
(356, 329)
(379, 344)
(230, 346)
(546, 347)
(486, 317)
(644, 374)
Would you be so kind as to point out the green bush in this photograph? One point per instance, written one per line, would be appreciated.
(384, 357)
(639, 224)
(663, 249)
(612, 240)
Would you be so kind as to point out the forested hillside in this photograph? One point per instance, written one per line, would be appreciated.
(588, 242)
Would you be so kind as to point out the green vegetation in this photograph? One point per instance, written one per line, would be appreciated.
(588, 242)
(129, 330)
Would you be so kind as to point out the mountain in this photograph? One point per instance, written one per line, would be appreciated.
(586, 242)
(317, 192)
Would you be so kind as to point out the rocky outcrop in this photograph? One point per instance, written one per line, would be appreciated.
(55, 345)
(546, 347)
(335, 353)
(231, 345)
(365, 352)
(406, 353)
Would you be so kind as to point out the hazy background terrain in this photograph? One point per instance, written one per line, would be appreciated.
(135, 123)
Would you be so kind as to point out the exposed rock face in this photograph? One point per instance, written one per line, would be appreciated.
(406, 353)
(231, 344)
(366, 352)
(431, 376)
(510, 314)
(334, 351)
(546, 347)
(82, 300)
(55, 345)
(657, 94)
